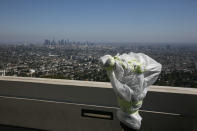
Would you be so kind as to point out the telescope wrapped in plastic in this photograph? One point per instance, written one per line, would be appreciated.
(131, 75)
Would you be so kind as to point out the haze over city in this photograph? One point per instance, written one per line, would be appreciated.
(124, 65)
(168, 21)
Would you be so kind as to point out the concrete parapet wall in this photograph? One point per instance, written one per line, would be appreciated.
(50, 104)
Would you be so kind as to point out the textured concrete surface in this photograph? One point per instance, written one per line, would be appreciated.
(50, 104)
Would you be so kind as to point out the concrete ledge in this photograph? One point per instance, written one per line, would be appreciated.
(52, 104)
(57, 81)
(180, 90)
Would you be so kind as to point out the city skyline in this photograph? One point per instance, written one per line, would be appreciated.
(99, 21)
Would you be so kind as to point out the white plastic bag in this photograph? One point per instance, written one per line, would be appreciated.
(130, 75)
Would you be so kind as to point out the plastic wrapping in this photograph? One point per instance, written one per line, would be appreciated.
(130, 75)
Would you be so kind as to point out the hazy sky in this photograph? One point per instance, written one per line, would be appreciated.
(99, 20)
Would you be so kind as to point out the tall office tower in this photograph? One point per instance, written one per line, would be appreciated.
(62, 42)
